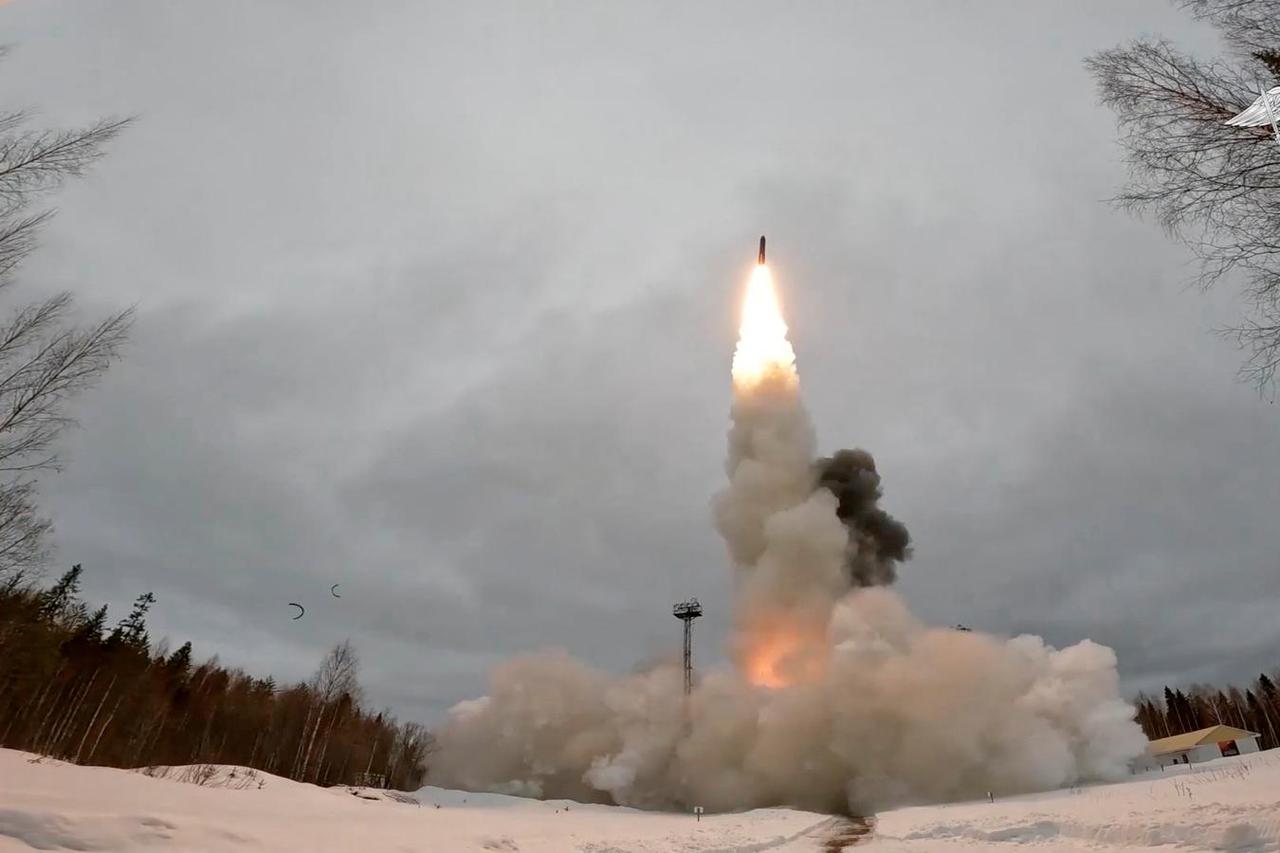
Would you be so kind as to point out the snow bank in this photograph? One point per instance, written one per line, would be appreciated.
(1231, 804)
(56, 806)
(215, 775)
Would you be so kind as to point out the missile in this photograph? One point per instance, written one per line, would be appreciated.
(760, 257)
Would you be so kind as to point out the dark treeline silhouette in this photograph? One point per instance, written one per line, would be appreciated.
(72, 688)
(1255, 708)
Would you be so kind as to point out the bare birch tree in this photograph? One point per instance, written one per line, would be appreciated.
(337, 676)
(1216, 188)
(45, 358)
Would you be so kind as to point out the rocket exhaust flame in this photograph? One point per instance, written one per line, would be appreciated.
(774, 650)
(763, 351)
(840, 700)
(782, 655)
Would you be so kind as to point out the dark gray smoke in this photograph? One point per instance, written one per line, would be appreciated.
(877, 540)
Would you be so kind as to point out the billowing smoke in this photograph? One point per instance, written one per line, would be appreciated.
(903, 714)
(839, 700)
(877, 540)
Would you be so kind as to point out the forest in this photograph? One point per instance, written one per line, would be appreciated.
(1255, 708)
(75, 689)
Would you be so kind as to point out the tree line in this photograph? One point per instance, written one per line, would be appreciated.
(1256, 708)
(70, 686)
(73, 688)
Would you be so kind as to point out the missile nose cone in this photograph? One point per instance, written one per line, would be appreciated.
(760, 257)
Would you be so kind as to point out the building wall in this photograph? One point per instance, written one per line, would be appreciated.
(1210, 751)
(1194, 755)
(1205, 752)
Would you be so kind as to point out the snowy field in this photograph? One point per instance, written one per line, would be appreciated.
(1231, 804)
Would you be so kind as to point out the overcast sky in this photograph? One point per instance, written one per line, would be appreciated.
(437, 301)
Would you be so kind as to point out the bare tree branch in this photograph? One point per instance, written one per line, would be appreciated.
(45, 359)
(338, 673)
(35, 162)
(1215, 187)
(23, 534)
(1249, 26)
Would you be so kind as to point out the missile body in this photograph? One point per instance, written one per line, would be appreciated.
(760, 257)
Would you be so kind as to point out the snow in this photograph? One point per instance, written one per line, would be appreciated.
(1230, 804)
(50, 805)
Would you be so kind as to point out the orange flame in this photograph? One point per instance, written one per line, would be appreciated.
(782, 655)
(763, 349)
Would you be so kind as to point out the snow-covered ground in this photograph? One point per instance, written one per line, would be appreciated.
(1228, 804)
(1232, 804)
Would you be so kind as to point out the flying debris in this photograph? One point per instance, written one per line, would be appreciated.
(760, 257)
(333, 590)
(301, 610)
(1264, 110)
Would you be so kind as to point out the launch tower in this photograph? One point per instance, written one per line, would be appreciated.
(686, 612)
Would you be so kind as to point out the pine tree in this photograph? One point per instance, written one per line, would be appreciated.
(1183, 712)
(92, 629)
(179, 663)
(88, 635)
(1149, 717)
(132, 630)
(1271, 59)
(58, 598)
(1260, 720)
(1172, 712)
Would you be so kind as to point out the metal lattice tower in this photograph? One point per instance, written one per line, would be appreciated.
(686, 612)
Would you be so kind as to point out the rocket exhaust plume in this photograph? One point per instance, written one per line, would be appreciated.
(763, 349)
(838, 699)
(786, 589)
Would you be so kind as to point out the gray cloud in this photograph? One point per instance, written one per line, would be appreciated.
(425, 293)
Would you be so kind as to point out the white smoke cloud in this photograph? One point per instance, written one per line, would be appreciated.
(903, 714)
(865, 706)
